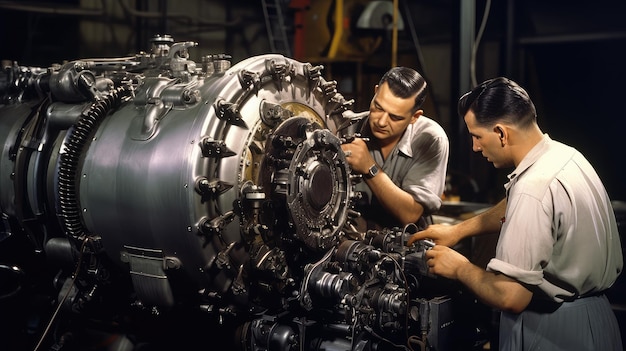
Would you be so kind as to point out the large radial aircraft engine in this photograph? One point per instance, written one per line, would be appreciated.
(134, 188)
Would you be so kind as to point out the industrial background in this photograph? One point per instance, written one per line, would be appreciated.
(569, 55)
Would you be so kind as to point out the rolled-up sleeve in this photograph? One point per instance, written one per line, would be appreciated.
(526, 241)
(425, 180)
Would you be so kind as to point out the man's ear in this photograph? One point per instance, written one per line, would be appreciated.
(503, 134)
(416, 115)
(499, 130)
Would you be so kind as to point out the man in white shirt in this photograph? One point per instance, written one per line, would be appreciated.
(559, 246)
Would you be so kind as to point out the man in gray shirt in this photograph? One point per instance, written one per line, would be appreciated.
(559, 247)
(402, 155)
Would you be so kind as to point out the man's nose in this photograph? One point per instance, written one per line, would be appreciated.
(384, 119)
(476, 146)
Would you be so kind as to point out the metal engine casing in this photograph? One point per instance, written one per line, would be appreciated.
(221, 188)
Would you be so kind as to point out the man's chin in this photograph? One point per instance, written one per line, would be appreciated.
(499, 165)
(380, 135)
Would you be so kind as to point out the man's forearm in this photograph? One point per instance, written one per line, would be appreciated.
(495, 290)
(395, 200)
(487, 222)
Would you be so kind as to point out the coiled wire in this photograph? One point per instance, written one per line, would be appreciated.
(83, 130)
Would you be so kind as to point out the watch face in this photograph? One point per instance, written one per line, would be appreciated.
(373, 171)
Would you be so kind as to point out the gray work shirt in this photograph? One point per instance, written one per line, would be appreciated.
(417, 165)
(559, 233)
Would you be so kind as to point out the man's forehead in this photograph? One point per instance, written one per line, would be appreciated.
(470, 121)
(469, 118)
(392, 103)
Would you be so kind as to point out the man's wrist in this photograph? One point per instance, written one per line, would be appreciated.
(372, 171)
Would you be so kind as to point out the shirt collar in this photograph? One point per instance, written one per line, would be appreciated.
(531, 157)
(404, 144)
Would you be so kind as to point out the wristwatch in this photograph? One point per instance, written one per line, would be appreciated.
(372, 171)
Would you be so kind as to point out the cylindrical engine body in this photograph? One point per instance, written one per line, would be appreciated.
(157, 176)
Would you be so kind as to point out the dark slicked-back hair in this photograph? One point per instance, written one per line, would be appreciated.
(405, 82)
(499, 100)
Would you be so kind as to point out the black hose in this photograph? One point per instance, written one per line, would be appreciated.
(83, 130)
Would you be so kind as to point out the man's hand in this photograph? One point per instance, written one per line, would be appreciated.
(358, 156)
(441, 234)
(444, 261)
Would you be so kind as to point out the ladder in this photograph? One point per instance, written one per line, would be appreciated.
(276, 27)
